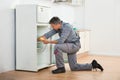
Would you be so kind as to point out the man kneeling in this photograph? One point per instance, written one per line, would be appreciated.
(68, 43)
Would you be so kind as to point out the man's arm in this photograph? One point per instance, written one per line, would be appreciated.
(46, 41)
(45, 37)
(53, 42)
(64, 35)
(50, 33)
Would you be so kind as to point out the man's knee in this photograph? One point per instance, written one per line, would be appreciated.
(56, 49)
(73, 67)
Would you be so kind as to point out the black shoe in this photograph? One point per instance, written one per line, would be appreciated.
(59, 70)
(96, 65)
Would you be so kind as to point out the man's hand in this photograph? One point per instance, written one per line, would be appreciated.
(42, 38)
(45, 41)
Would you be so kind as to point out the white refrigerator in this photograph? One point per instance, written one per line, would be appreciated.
(32, 22)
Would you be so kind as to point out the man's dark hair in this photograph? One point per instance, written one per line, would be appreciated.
(55, 20)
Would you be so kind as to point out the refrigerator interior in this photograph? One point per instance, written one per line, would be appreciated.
(43, 50)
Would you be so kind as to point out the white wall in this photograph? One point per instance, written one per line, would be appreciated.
(103, 18)
(66, 13)
(7, 35)
(7, 55)
(79, 21)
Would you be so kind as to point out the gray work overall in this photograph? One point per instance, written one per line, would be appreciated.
(68, 43)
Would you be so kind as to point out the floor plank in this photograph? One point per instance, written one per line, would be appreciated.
(110, 64)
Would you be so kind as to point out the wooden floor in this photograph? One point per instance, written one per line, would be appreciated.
(110, 64)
